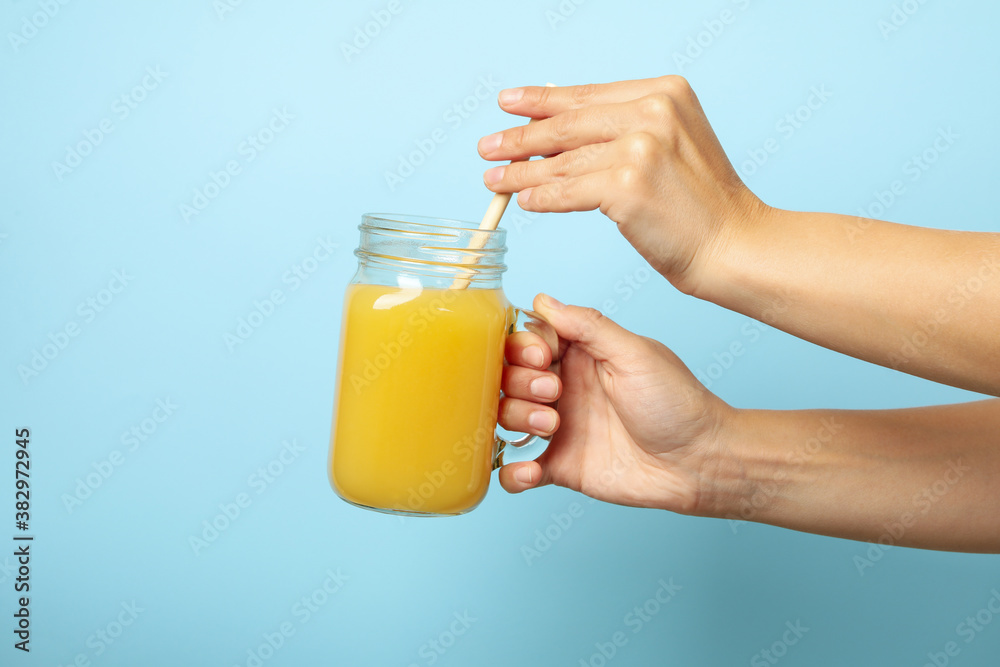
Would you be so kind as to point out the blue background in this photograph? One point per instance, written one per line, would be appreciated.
(355, 116)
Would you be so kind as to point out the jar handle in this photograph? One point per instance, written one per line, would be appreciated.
(527, 320)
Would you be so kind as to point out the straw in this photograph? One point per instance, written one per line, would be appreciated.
(490, 221)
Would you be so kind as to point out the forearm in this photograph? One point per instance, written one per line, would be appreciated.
(922, 477)
(923, 301)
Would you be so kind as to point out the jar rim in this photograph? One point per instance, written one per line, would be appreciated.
(426, 223)
(426, 245)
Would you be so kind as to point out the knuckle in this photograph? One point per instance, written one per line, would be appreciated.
(592, 317)
(570, 192)
(563, 164)
(629, 177)
(553, 195)
(563, 127)
(676, 86)
(538, 95)
(514, 138)
(658, 108)
(642, 147)
(549, 196)
(611, 128)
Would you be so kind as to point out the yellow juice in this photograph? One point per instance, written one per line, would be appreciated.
(417, 393)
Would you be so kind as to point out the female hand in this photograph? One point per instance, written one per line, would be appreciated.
(633, 425)
(641, 151)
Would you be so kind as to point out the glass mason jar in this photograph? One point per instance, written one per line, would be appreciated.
(422, 340)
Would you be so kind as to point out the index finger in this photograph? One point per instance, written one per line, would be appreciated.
(544, 102)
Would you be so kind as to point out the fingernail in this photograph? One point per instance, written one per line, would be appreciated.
(544, 387)
(523, 475)
(511, 95)
(534, 356)
(555, 304)
(494, 175)
(523, 196)
(489, 144)
(542, 421)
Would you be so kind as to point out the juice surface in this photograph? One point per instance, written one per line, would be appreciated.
(417, 394)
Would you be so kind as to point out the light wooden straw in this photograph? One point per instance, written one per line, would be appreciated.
(491, 220)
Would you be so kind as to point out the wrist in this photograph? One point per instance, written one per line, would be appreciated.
(731, 249)
(753, 474)
(725, 479)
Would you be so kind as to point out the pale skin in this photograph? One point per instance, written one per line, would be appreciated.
(632, 424)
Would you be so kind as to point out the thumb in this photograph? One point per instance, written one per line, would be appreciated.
(595, 334)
